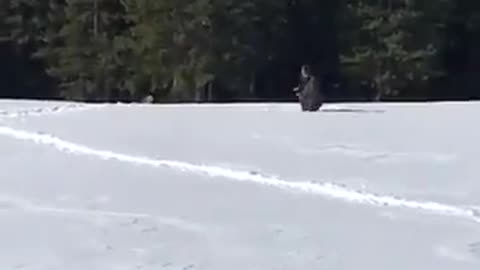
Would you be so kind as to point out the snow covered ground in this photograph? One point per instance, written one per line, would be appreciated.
(215, 187)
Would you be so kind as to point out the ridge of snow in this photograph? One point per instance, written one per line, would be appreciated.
(44, 111)
(323, 189)
(8, 202)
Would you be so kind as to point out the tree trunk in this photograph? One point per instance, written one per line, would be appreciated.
(95, 18)
(379, 87)
(252, 87)
(210, 91)
(198, 96)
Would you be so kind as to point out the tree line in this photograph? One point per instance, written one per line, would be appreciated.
(226, 50)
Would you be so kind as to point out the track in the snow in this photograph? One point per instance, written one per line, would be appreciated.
(48, 110)
(8, 203)
(323, 189)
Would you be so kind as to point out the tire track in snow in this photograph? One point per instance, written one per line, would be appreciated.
(8, 203)
(323, 189)
(380, 156)
(43, 111)
(359, 152)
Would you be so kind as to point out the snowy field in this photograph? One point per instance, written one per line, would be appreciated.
(239, 187)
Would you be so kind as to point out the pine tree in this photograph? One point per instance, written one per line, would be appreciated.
(28, 20)
(194, 43)
(252, 35)
(388, 50)
(84, 57)
(4, 32)
(461, 53)
(158, 41)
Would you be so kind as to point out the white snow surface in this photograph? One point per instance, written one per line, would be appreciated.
(239, 186)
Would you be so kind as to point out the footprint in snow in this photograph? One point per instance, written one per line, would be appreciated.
(474, 248)
(257, 173)
(130, 222)
(5, 205)
(150, 229)
(188, 267)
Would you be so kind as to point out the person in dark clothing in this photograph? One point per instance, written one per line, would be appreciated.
(308, 91)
